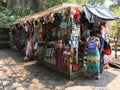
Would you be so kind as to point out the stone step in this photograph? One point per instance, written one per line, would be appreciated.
(114, 65)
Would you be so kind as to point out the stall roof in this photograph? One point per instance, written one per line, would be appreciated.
(47, 11)
(98, 14)
(93, 13)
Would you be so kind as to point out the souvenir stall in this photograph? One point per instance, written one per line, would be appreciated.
(52, 35)
(58, 35)
(60, 38)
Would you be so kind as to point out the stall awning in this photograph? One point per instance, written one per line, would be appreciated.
(49, 10)
(98, 14)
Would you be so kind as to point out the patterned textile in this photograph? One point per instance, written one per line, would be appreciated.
(29, 48)
(94, 56)
(93, 67)
(59, 59)
(93, 60)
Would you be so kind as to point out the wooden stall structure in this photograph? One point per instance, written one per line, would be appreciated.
(57, 36)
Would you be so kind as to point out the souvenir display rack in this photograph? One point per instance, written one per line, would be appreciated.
(56, 36)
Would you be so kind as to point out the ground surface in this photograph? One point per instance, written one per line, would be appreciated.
(16, 74)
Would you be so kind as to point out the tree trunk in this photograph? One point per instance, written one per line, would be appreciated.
(115, 48)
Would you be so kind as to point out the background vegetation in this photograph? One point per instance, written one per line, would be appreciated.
(10, 10)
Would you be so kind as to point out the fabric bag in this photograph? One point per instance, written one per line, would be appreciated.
(93, 53)
(93, 67)
(75, 67)
(107, 48)
(92, 47)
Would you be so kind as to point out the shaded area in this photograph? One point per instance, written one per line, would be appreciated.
(30, 76)
(4, 38)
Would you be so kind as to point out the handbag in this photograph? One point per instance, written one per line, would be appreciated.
(107, 48)
(107, 52)
(92, 47)
(75, 67)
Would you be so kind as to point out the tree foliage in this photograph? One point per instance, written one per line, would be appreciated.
(115, 25)
(93, 2)
(8, 15)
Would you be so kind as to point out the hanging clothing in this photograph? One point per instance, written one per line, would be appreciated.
(59, 58)
(29, 48)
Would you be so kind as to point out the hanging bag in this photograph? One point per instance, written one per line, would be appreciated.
(93, 54)
(107, 48)
(92, 47)
(75, 67)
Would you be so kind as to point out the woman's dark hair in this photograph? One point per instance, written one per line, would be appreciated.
(98, 32)
(83, 39)
(92, 33)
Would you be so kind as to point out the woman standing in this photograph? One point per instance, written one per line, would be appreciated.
(93, 56)
(101, 49)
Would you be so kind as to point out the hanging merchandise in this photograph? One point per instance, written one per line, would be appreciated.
(35, 45)
(75, 67)
(48, 18)
(69, 24)
(40, 32)
(42, 20)
(58, 16)
(32, 26)
(44, 31)
(52, 18)
(58, 34)
(59, 59)
(63, 27)
(77, 15)
(50, 50)
(53, 31)
(74, 41)
(67, 50)
(81, 51)
(67, 11)
(67, 53)
(29, 48)
(88, 33)
(35, 23)
(45, 19)
(59, 55)
(72, 13)
(26, 27)
(75, 35)
(63, 15)
(35, 34)
(76, 30)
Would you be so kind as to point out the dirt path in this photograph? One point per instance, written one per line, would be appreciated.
(16, 74)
